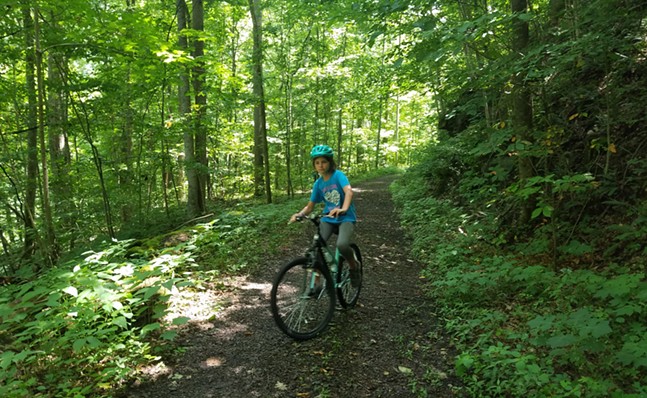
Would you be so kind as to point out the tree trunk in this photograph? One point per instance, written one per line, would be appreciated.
(124, 148)
(125, 152)
(340, 134)
(555, 11)
(50, 250)
(378, 138)
(397, 128)
(98, 164)
(194, 207)
(261, 152)
(288, 131)
(200, 105)
(522, 106)
(29, 207)
(59, 147)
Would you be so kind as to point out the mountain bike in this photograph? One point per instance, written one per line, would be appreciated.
(304, 291)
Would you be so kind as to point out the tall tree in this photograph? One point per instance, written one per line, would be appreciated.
(50, 250)
(57, 128)
(200, 95)
(29, 205)
(125, 140)
(261, 152)
(195, 205)
(521, 98)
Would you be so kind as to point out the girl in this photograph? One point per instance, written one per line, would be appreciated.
(332, 188)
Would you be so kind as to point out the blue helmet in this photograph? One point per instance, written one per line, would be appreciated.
(321, 150)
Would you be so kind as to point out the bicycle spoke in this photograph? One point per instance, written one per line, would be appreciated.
(298, 310)
(346, 292)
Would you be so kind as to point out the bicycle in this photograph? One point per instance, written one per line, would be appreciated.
(303, 293)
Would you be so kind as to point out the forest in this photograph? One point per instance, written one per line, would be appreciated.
(145, 143)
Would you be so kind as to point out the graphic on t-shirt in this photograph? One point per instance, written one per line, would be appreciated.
(333, 197)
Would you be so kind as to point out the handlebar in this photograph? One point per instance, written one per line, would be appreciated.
(315, 218)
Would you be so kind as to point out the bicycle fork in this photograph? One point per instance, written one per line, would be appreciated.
(315, 281)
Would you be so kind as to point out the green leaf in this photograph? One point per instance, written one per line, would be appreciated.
(628, 309)
(601, 328)
(150, 291)
(6, 358)
(547, 211)
(93, 341)
(169, 335)
(576, 248)
(150, 327)
(52, 300)
(121, 322)
(541, 323)
(463, 364)
(561, 341)
(71, 290)
(181, 320)
(78, 344)
(38, 291)
(169, 284)
(619, 286)
(21, 355)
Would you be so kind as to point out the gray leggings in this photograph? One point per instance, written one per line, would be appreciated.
(345, 232)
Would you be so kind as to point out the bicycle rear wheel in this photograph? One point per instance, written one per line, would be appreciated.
(347, 293)
(302, 306)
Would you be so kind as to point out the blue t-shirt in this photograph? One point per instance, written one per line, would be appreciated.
(331, 192)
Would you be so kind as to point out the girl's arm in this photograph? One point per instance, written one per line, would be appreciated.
(348, 199)
(304, 212)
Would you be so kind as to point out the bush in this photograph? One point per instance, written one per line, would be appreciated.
(83, 327)
(523, 326)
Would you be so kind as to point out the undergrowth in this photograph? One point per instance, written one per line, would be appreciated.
(84, 328)
(524, 322)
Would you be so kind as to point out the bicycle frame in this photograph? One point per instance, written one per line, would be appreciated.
(306, 290)
(319, 247)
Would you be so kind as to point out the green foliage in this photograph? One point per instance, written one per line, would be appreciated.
(84, 327)
(523, 328)
(224, 243)
(629, 238)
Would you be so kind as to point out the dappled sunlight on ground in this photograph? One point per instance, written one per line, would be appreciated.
(215, 312)
(266, 287)
(211, 362)
(195, 305)
(362, 190)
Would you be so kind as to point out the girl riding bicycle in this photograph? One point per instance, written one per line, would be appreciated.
(333, 188)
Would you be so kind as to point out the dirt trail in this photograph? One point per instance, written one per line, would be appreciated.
(388, 346)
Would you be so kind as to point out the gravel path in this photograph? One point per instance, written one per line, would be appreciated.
(387, 346)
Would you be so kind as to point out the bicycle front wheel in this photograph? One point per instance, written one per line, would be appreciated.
(302, 299)
(348, 292)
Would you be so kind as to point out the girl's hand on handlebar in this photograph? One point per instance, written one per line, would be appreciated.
(296, 217)
(336, 213)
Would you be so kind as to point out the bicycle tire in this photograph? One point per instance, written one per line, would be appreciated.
(298, 312)
(346, 292)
